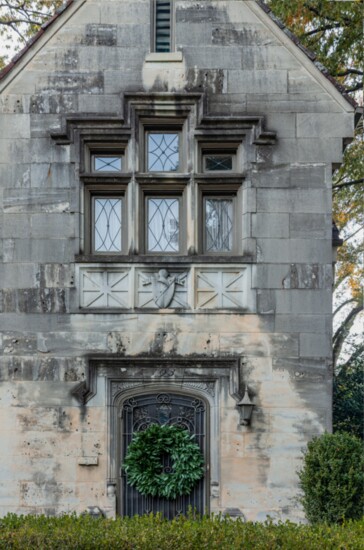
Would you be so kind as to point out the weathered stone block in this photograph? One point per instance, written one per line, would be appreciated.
(270, 225)
(15, 126)
(213, 80)
(282, 123)
(18, 343)
(301, 81)
(315, 345)
(308, 150)
(266, 303)
(321, 124)
(269, 276)
(117, 80)
(36, 200)
(100, 103)
(91, 82)
(42, 124)
(293, 250)
(293, 201)
(287, 103)
(199, 13)
(127, 12)
(312, 276)
(257, 81)
(243, 35)
(44, 300)
(61, 342)
(304, 301)
(100, 34)
(56, 275)
(314, 226)
(301, 323)
(41, 250)
(54, 225)
(15, 225)
(13, 103)
(191, 33)
(59, 175)
(53, 103)
(213, 57)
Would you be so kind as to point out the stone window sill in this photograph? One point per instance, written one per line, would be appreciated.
(170, 57)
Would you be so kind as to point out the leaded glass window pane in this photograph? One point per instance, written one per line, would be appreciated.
(163, 152)
(163, 225)
(107, 163)
(218, 225)
(107, 224)
(218, 163)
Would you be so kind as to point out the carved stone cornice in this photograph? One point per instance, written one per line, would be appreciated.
(197, 373)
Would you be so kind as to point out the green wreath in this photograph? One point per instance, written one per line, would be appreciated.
(143, 462)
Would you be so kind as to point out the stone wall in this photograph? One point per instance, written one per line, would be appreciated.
(244, 65)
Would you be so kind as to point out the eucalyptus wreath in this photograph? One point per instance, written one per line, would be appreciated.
(143, 462)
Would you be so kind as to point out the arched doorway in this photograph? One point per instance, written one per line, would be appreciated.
(170, 408)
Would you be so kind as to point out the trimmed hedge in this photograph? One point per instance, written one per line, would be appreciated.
(155, 533)
(332, 478)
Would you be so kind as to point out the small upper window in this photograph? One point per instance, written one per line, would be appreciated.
(163, 152)
(162, 29)
(107, 163)
(218, 163)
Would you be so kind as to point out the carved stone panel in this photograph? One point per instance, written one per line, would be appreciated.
(161, 289)
(104, 288)
(193, 288)
(220, 288)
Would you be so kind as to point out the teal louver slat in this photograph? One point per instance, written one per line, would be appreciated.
(163, 26)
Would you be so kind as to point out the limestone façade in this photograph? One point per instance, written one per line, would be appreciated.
(75, 347)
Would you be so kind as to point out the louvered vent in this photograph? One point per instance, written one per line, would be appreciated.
(163, 26)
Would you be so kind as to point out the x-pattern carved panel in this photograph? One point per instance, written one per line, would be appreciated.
(220, 289)
(105, 288)
(196, 288)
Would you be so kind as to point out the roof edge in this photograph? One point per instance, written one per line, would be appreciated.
(15, 60)
(309, 53)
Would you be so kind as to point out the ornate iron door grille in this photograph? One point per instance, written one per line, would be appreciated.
(138, 413)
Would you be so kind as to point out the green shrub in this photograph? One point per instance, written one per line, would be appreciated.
(332, 478)
(348, 405)
(184, 533)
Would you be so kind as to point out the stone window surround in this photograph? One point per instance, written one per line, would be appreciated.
(136, 189)
(187, 112)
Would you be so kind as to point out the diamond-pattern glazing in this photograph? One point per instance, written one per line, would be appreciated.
(216, 163)
(163, 152)
(107, 164)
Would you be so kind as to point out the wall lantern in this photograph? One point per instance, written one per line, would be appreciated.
(245, 408)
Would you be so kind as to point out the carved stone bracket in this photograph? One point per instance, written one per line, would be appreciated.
(84, 391)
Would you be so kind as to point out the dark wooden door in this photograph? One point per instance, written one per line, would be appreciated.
(138, 413)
